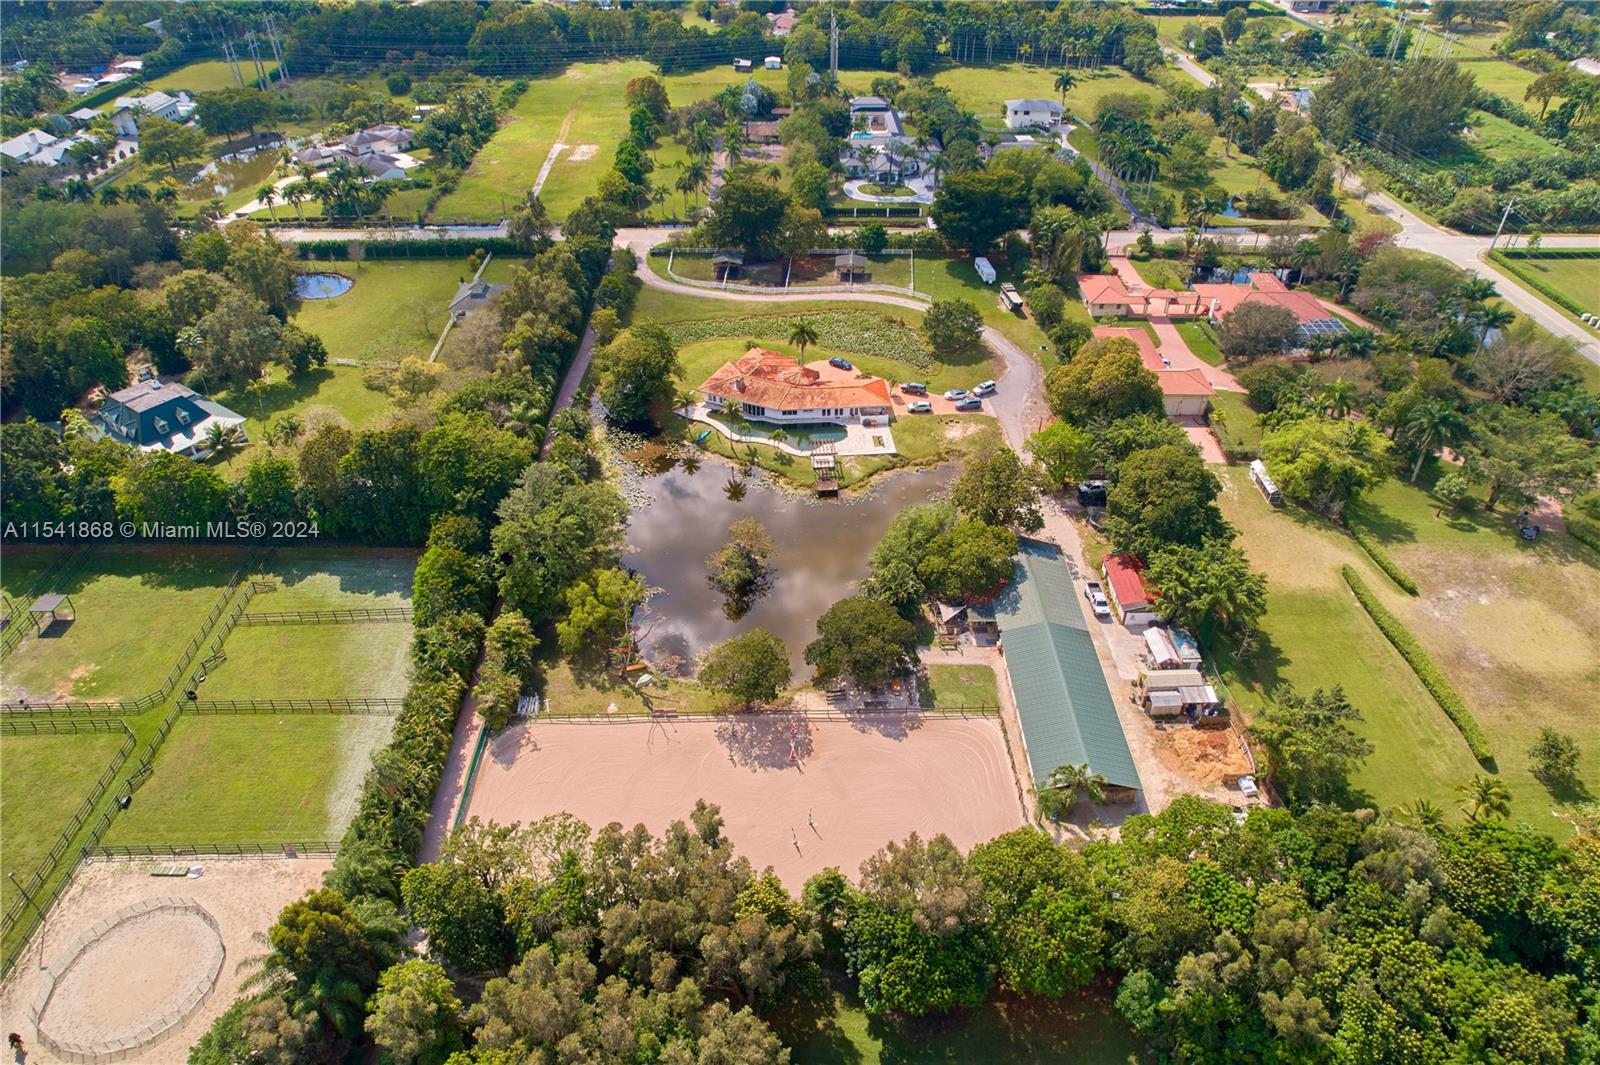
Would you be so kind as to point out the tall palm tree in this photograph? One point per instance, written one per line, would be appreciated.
(1485, 798)
(685, 184)
(223, 441)
(296, 194)
(702, 140)
(1433, 425)
(1338, 397)
(1489, 317)
(1065, 81)
(802, 336)
(268, 195)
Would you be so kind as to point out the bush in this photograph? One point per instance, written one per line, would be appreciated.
(398, 83)
(1375, 551)
(1432, 678)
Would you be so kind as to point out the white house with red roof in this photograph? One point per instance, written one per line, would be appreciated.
(1133, 599)
(768, 386)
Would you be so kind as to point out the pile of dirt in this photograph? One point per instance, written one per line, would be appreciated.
(1206, 755)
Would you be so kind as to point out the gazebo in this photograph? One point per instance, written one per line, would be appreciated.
(50, 606)
(850, 265)
(727, 264)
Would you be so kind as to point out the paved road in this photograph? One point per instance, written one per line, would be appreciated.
(304, 235)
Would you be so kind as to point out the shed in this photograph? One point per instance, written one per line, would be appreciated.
(1164, 704)
(1129, 594)
(727, 264)
(1162, 649)
(50, 606)
(1264, 482)
(985, 269)
(774, 62)
(1188, 647)
(1172, 679)
(850, 265)
(742, 66)
(1010, 300)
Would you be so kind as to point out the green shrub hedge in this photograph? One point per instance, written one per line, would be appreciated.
(443, 248)
(1431, 676)
(1375, 551)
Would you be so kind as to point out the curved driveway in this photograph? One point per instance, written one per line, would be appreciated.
(1018, 405)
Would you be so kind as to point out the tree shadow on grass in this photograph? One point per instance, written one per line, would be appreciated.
(264, 403)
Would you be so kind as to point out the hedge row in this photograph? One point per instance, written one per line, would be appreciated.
(410, 248)
(1432, 678)
(1375, 551)
(1533, 282)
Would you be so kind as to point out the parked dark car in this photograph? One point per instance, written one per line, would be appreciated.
(1092, 493)
(970, 403)
(914, 388)
(840, 363)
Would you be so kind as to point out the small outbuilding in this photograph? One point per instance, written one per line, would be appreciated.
(774, 62)
(985, 269)
(1264, 482)
(851, 266)
(1134, 601)
(48, 609)
(727, 264)
(742, 66)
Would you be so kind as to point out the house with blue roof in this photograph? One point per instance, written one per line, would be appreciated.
(163, 416)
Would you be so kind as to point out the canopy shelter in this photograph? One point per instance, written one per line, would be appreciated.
(727, 264)
(850, 265)
(50, 606)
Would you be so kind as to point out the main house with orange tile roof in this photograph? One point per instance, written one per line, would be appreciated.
(767, 386)
(1184, 393)
(1105, 295)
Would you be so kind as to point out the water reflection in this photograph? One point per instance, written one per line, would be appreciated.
(226, 176)
(820, 551)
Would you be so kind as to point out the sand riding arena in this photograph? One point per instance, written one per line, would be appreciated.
(134, 967)
(799, 793)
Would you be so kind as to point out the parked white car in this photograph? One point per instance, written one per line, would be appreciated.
(985, 388)
(1097, 599)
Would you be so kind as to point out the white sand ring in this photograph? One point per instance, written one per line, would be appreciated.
(204, 968)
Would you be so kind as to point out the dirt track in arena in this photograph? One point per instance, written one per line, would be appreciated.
(863, 782)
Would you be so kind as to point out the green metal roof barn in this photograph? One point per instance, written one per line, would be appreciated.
(1067, 714)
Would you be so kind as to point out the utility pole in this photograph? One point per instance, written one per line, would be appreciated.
(833, 43)
(251, 42)
(231, 57)
(277, 48)
(1501, 227)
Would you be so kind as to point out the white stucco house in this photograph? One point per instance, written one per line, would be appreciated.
(1026, 114)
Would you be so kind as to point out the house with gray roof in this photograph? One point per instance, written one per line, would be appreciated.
(1066, 708)
(1026, 114)
(163, 416)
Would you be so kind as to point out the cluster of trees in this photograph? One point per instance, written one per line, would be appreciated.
(1292, 936)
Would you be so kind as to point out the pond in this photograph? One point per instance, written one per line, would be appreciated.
(321, 286)
(820, 552)
(227, 176)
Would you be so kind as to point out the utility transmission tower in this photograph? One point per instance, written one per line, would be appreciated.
(277, 48)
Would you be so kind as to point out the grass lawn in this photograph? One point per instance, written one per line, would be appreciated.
(46, 778)
(23, 565)
(1490, 138)
(984, 90)
(311, 661)
(1159, 273)
(396, 308)
(1574, 278)
(1501, 620)
(950, 686)
(253, 778)
(1242, 424)
(137, 607)
(1201, 341)
(329, 390)
(957, 278)
(1511, 624)
(1500, 76)
(505, 169)
(1313, 633)
(339, 580)
(209, 75)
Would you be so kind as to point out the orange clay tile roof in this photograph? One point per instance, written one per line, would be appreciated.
(1173, 382)
(769, 379)
(1263, 288)
(1103, 288)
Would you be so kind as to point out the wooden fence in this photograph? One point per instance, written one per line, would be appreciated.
(287, 849)
(352, 616)
(375, 707)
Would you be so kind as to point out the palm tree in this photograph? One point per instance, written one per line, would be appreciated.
(1357, 343)
(136, 193)
(1065, 81)
(1433, 425)
(1065, 785)
(1338, 397)
(296, 195)
(223, 441)
(802, 336)
(1424, 813)
(166, 192)
(702, 141)
(268, 195)
(78, 190)
(110, 195)
(289, 427)
(1489, 317)
(1485, 798)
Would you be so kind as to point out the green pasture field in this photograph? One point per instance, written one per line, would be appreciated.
(137, 608)
(1500, 618)
(984, 90)
(951, 686)
(336, 392)
(1578, 279)
(323, 661)
(208, 75)
(45, 780)
(253, 778)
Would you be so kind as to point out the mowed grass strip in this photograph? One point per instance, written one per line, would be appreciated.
(43, 781)
(137, 608)
(955, 686)
(253, 778)
(208, 75)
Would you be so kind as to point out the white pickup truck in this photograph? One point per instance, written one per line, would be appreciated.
(1097, 599)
